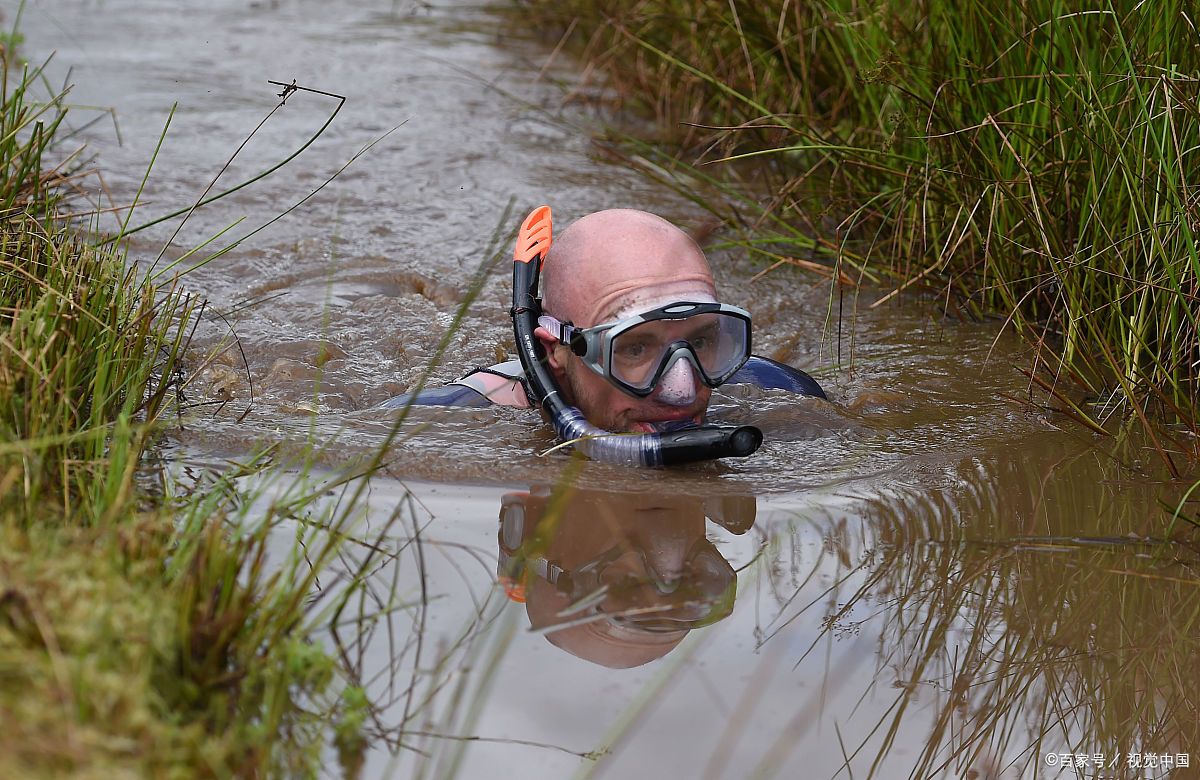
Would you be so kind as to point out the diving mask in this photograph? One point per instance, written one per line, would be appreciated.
(633, 353)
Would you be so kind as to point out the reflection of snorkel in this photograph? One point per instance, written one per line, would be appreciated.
(703, 442)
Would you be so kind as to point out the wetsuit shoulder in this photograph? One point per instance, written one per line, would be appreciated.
(447, 395)
(499, 384)
(773, 375)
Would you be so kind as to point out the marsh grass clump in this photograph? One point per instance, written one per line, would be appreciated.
(90, 351)
(1034, 162)
(91, 356)
(143, 633)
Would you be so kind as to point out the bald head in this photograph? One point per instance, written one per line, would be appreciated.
(612, 262)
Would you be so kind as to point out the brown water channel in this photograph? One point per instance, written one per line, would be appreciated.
(933, 577)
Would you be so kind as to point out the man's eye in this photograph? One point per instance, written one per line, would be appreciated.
(705, 339)
(631, 351)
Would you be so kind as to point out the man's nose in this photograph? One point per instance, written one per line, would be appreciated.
(678, 385)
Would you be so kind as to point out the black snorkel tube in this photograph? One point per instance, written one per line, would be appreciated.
(703, 442)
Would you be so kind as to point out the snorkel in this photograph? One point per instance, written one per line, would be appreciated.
(704, 442)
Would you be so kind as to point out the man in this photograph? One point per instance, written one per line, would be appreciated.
(618, 347)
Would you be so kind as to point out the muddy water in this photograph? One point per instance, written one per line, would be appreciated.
(933, 577)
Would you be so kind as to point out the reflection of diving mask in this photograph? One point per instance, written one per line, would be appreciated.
(621, 582)
(624, 584)
(635, 352)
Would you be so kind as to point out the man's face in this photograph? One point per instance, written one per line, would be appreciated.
(681, 396)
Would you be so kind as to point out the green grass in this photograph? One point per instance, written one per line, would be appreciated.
(1035, 163)
(145, 630)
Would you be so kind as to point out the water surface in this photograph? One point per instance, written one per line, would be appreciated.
(934, 576)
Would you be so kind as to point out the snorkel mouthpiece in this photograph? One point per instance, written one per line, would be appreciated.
(708, 442)
(704, 442)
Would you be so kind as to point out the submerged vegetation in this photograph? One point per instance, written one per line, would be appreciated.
(1017, 625)
(1035, 162)
(145, 629)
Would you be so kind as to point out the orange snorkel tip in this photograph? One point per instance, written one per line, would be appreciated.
(534, 238)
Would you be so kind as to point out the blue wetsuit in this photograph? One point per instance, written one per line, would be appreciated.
(758, 371)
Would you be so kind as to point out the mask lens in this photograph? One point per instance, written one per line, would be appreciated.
(718, 340)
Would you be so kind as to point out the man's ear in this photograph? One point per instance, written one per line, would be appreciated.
(554, 356)
(557, 354)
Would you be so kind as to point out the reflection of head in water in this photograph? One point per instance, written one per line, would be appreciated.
(626, 576)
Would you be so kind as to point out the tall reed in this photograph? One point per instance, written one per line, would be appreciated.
(1036, 161)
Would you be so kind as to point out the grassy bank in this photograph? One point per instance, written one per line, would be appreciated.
(1034, 162)
(143, 632)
